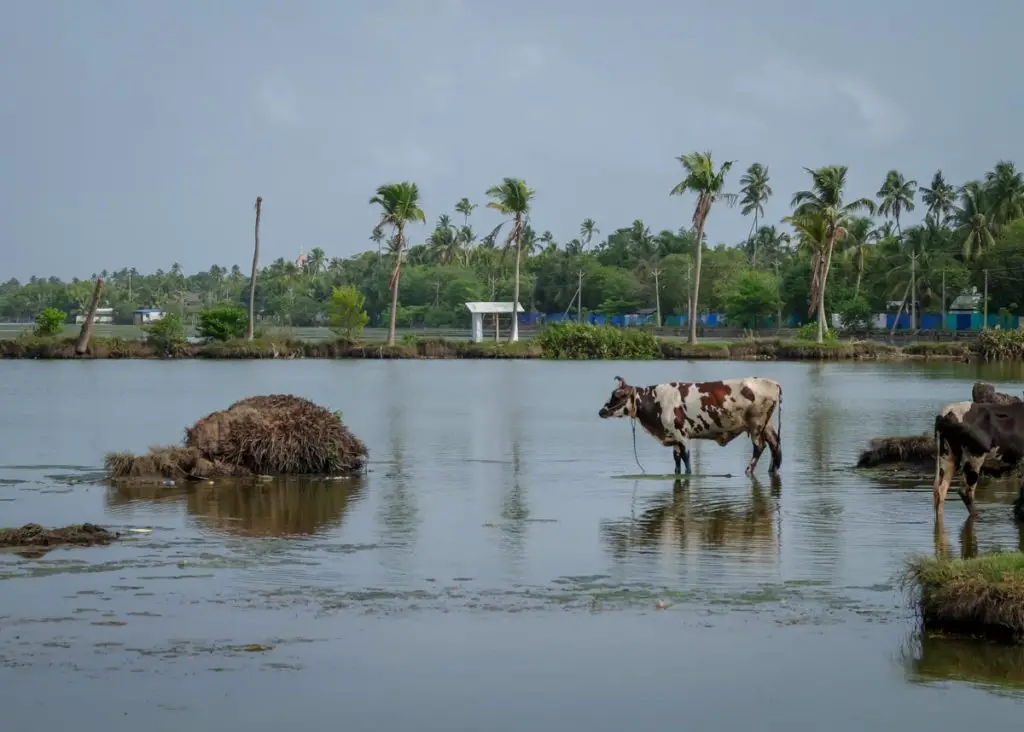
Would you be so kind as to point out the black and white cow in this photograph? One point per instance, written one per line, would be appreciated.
(969, 433)
(677, 412)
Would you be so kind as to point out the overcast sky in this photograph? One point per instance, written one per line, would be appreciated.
(139, 133)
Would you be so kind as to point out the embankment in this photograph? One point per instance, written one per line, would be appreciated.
(767, 349)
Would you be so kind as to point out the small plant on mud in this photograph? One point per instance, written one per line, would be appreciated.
(347, 311)
(809, 332)
(166, 335)
(223, 323)
(583, 341)
(49, 323)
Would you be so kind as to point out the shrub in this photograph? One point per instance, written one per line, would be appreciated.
(347, 311)
(1001, 345)
(583, 341)
(223, 323)
(809, 332)
(49, 322)
(166, 335)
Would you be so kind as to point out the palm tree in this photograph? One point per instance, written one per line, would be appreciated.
(400, 205)
(1004, 187)
(754, 193)
(465, 208)
(587, 230)
(444, 242)
(974, 220)
(316, 262)
(512, 198)
(825, 201)
(858, 241)
(940, 198)
(896, 196)
(702, 180)
(252, 280)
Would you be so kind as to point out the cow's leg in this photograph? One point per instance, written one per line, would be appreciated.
(756, 437)
(945, 468)
(772, 438)
(681, 452)
(972, 472)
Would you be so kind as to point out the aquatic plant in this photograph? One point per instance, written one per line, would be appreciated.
(983, 596)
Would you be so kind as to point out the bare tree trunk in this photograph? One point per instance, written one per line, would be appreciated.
(900, 311)
(82, 344)
(252, 279)
(821, 295)
(395, 277)
(513, 335)
(694, 298)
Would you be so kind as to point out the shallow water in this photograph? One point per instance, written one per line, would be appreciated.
(504, 563)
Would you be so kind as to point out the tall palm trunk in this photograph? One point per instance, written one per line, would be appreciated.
(513, 334)
(696, 280)
(860, 269)
(821, 294)
(82, 344)
(394, 284)
(252, 279)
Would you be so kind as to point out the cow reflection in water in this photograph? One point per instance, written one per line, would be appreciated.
(688, 518)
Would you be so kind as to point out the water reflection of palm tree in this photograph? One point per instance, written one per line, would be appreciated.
(515, 508)
(398, 511)
(689, 520)
(286, 506)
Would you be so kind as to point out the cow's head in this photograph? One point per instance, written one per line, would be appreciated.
(622, 402)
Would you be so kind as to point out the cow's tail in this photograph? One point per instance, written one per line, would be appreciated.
(938, 450)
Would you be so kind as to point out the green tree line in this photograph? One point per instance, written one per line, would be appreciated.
(838, 251)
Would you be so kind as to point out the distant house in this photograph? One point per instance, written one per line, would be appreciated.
(103, 315)
(142, 316)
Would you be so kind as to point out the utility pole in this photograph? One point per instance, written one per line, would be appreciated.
(943, 327)
(656, 273)
(984, 325)
(579, 297)
(913, 291)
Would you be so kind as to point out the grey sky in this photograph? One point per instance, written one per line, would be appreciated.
(139, 133)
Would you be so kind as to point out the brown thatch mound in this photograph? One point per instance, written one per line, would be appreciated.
(916, 451)
(41, 540)
(986, 394)
(277, 434)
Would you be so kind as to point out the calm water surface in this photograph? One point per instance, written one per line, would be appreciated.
(504, 565)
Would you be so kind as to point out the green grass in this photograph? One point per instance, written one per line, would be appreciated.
(983, 596)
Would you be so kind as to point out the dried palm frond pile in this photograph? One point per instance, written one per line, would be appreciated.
(277, 434)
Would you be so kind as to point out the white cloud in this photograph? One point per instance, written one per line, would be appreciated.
(276, 101)
(798, 93)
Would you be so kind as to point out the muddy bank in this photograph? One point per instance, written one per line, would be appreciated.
(37, 540)
(768, 349)
(277, 434)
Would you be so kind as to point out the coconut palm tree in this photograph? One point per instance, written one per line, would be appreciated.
(975, 228)
(587, 230)
(754, 193)
(706, 183)
(896, 196)
(512, 198)
(1004, 187)
(444, 243)
(858, 241)
(825, 200)
(940, 198)
(400, 205)
(465, 208)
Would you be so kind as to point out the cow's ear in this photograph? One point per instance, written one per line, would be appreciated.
(619, 382)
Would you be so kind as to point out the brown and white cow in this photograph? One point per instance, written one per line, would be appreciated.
(677, 412)
(967, 434)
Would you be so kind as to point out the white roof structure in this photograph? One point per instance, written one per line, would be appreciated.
(489, 308)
